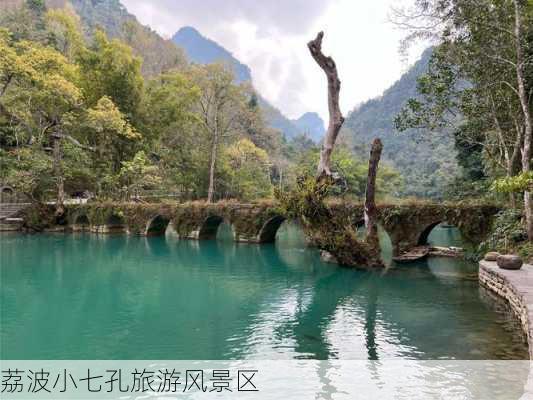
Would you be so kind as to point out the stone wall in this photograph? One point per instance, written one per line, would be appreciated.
(406, 223)
(516, 287)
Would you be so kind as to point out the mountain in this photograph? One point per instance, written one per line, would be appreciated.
(311, 124)
(158, 54)
(202, 50)
(426, 160)
(277, 120)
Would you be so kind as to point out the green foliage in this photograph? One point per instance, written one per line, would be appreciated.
(328, 230)
(472, 84)
(38, 217)
(114, 140)
(119, 135)
(247, 170)
(77, 167)
(514, 184)
(508, 235)
(27, 170)
(107, 120)
(64, 27)
(352, 170)
(109, 68)
(137, 174)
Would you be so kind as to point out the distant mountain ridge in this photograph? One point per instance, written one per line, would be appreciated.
(311, 124)
(202, 50)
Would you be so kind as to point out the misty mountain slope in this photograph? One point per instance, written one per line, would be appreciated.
(159, 55)
(426, 160)
(312, 124)
(202, 50)
(111, 16)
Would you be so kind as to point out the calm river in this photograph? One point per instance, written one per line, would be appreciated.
(82, 296)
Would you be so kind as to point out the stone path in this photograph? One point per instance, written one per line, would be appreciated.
(7, 221)
(517, 288)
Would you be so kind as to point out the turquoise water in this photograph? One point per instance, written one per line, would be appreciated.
(82, 296)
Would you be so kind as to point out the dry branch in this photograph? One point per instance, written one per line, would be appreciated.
(335, 116)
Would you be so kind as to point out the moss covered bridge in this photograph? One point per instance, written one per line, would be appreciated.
(408, 225)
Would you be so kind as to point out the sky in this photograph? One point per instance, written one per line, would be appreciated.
(270, 36)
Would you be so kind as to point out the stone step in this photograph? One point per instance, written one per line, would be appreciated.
(10, 209)
(10, 227)
(13, 220)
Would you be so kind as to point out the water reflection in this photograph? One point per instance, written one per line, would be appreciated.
(119, 297)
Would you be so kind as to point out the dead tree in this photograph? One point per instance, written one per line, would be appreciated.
(370, 196)
(335, 116)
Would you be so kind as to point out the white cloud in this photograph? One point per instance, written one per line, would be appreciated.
(271, 36)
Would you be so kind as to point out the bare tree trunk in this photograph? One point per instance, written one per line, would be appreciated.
(528, 131)
(513, 160)
(503, 150)
(214, 146)
(58, 172)
(370, 195)
(335, 116)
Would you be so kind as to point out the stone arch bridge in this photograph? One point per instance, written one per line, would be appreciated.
(407, 225)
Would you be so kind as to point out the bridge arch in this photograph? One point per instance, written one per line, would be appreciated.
(157, 226)
(424, 234)
(115, 224)
(81, 222)
(444, 233)
(209, 228)
(7, 194)
(268, 231)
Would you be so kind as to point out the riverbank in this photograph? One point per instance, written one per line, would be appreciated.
(516, 287)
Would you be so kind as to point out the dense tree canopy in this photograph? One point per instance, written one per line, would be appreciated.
(79, 115)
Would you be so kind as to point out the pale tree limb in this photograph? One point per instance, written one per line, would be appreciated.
(335, 116)
(74, 141)
(58, 172)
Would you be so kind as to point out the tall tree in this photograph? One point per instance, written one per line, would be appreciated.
(523, 60)
(109, 68)
(40, 93)
(219, 107)
(113, 139)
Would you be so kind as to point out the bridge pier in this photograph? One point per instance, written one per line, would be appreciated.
(245, 238)
(108, 229)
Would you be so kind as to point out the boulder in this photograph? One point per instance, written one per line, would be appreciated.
(327, 257)
(491, 256)
(509, 261)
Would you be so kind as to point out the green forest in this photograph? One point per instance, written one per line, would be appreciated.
(80, 114)
(104, 108)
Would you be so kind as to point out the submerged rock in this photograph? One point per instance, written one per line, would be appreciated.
(327, 257)
(509, 261)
